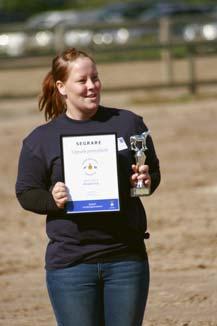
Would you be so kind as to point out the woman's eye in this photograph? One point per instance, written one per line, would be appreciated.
(95, 78)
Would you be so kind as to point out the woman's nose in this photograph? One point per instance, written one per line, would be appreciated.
(90, 83)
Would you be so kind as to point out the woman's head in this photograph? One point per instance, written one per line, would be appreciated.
(72, 85)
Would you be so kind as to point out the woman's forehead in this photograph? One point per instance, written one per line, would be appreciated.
(82, 64)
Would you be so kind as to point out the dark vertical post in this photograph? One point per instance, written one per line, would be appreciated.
(192, 69)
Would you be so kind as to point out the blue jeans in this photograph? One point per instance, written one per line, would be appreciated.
(110, 294)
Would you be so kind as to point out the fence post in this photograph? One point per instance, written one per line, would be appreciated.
(59, 38)
(166, 56)
(192, 70)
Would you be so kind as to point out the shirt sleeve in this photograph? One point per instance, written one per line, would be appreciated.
(32, 185)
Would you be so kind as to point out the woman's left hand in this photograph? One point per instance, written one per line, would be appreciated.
(140, 173)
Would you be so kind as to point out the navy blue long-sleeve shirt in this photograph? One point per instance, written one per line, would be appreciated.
(79, 238)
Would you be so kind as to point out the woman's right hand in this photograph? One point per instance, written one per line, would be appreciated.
(59, 193)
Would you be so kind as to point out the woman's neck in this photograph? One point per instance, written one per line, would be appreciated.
(80, 115)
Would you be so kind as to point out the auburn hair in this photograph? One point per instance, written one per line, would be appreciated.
(50, 99)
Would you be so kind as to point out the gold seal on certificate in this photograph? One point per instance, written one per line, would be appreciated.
(90, 173)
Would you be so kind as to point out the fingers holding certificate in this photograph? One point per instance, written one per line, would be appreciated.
(90, 173)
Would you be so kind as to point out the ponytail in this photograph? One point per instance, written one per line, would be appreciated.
(50, 100)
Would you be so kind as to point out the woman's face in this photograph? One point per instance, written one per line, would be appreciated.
(82, 89)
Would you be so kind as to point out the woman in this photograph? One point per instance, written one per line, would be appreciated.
(97, 269)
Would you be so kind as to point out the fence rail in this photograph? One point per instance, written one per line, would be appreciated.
(166, 50)
(162, 46)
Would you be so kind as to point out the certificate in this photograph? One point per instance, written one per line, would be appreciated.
(90, 173)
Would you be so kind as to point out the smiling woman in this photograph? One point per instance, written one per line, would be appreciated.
(81, 90)
(104, 250)
(72, 85)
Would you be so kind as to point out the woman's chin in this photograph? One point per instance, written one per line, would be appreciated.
(93, 106)
(91, 110)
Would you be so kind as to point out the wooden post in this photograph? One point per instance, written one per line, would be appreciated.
(166, 56)
(59, 38)
(192, 70)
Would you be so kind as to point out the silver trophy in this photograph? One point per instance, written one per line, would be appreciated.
(138, 145)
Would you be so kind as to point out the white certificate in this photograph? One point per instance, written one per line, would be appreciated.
(90, 173)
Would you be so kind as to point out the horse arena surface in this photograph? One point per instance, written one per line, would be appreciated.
(181, 213)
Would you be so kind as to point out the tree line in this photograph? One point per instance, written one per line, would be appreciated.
(21, 9)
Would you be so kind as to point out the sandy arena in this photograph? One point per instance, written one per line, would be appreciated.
(181, 214)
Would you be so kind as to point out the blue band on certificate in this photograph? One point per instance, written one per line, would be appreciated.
(93, 206)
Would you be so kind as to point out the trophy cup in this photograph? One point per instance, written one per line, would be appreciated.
(138, 145)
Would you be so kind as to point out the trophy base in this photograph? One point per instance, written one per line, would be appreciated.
(137, 192)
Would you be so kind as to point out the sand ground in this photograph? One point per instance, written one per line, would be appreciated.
(181, 214)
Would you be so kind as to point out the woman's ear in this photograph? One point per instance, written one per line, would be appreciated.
(61, 87)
